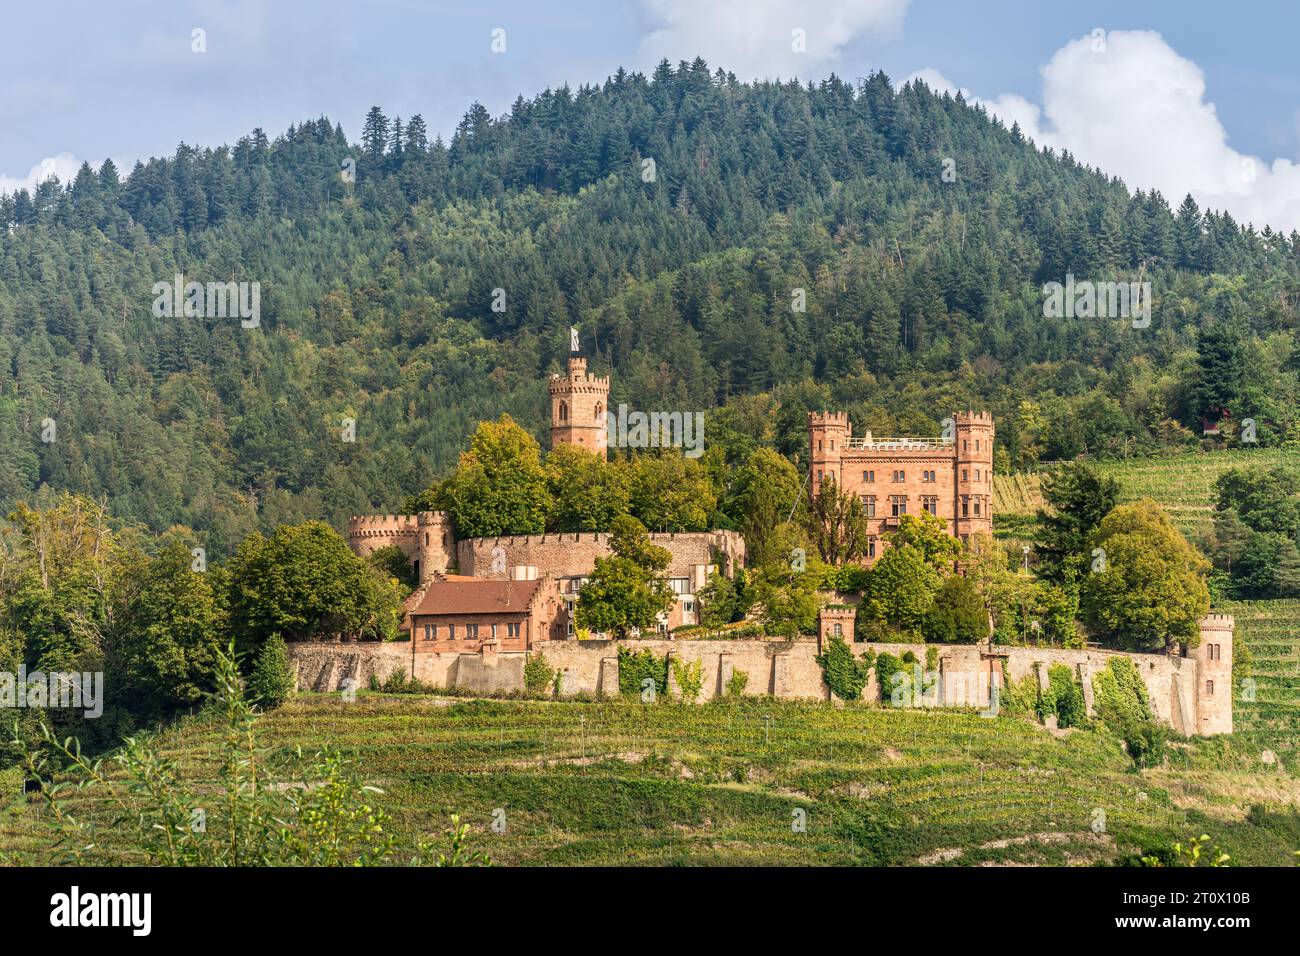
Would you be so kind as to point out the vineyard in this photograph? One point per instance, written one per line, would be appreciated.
(1271, 632)
(1182, 484)
(753, 783)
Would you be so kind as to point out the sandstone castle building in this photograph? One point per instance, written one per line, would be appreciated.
(950, 477)
(447, 566)
(484, 605)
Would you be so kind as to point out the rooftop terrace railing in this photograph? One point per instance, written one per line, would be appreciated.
(883, 443)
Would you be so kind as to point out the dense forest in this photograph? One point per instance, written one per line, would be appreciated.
(680, 221)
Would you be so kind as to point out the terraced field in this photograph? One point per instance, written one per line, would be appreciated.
(727, 783)
(1271, 631)
(1183, 484)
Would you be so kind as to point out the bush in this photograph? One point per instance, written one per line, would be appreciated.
(1121, 703)
(538, 675)
(690, 678)
(887, 665)
(845, 674)
(1066, 697)
(634, 669)
(736, 683)
(273, 678)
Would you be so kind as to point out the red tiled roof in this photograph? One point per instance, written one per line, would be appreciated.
(477, 596)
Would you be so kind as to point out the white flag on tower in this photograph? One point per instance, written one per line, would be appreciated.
(573, 339)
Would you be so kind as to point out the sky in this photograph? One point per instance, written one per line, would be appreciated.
(1188, 96)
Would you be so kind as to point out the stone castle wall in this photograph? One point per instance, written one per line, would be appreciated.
(568, 555)
(773, 667)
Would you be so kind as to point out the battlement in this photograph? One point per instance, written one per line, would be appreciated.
(589, 384)
(381, 522)
(969, 417)
(578, 379)
(390, 523)
(1218, 622)
(828, 420)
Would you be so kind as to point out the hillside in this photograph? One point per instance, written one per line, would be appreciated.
(1271, 631)
(622, 784)
(1182, 484)
(379, 298)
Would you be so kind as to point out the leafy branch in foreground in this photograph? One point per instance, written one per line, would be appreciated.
(1194, 853)
(318, 813)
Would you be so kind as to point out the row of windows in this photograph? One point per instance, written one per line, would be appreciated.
(930, 503)
(470, 632)
(927, 475)
(1214, 652)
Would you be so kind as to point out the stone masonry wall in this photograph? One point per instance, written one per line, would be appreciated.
(567, 555)
(777, 668)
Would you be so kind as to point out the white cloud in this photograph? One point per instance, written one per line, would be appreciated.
(64, 165)
(1132, 107)
(757, 39)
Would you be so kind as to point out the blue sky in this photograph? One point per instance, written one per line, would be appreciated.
(1185, 96)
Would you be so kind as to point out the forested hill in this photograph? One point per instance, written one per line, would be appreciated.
(922, 293)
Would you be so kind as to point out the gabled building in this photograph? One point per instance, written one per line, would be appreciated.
(458, 614)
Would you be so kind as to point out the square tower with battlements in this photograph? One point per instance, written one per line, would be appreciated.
(951, 477)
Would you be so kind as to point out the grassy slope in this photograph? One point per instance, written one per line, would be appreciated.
(619, 783)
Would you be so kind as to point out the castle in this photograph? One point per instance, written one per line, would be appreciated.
(484, 605)
(950, 477)
(562, 561)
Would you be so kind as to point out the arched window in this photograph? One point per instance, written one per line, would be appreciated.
(564, 411)
(600, 414)
(1209, 688)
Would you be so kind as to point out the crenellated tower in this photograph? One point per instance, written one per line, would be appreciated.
(579, 401)
(828, 436)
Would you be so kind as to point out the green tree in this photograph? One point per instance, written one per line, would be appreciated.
(901, 589)
(957, 615)
(670, 492)
(303, 583)
(164, 649)
(1265, 499)
(929, 535)
(1147, 589)
(762, 498)
(836, 523)
(1221, 370)
(786, 600)
(587, 492)
(393, 562)
(273, 678)
(1079, 497)
(499, 486)
(626, 591)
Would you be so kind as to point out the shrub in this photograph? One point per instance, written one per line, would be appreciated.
(538, 676)
(635, 668)
(273, 678)
(736, 683)
(845, 674)
(1195, 852)
(1066, 697)
(1121, 703)
(887, 665)
(690, 678)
